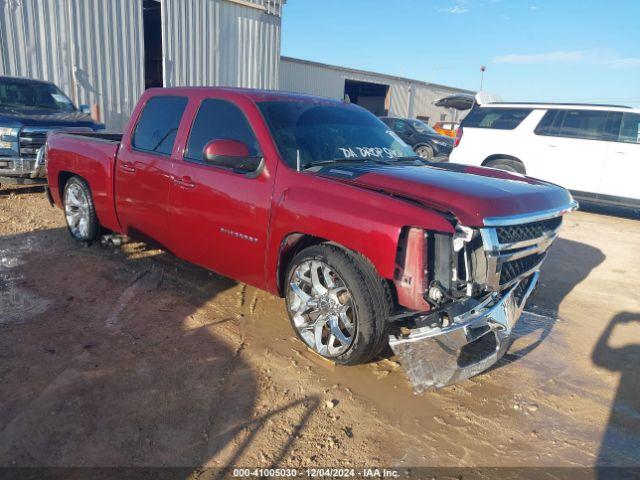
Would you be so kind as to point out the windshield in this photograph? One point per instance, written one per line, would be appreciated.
(33, 95)
(320, 131)
(422, 127)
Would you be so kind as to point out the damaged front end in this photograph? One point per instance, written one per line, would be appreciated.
(463, 294)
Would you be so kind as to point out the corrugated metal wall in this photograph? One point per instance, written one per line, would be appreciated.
(308, 78)
(328, 81)
(408, 98)
(77, 44)
(400, 101)
(221, 42)
(94, 49)
(424, 96)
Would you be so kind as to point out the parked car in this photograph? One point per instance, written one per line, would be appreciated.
(318, 201)
(29, 109)
(424, 140)
(446, 128)
(593, 150)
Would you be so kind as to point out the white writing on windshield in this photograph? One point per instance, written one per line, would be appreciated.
(369, 152)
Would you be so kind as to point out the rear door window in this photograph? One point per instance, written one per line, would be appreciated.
(630, 128)
(612, 127)
(496, 118)
(158, 124)
(586, 124)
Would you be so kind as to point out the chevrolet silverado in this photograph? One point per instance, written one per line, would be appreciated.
(319, 202)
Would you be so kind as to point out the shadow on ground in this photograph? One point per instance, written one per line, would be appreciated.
(7, 190)
(568, 263)
(127, 366)
(621, 441)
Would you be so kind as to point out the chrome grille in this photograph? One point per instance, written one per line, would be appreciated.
(515, 268)
(527, 231)
(31, 140)
(515, 248)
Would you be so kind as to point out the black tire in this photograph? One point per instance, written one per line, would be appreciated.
(82, 235)
(507, 165)
(371, 298)
(424, 151)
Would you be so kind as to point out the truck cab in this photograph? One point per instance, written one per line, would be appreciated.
(319, 202)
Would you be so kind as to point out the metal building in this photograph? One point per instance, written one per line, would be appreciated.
(105, 53)
(380, 93)
(230, 43)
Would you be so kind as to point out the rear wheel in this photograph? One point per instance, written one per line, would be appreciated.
(337, 304)
(507, 165)
(79, 211)
(425, 151)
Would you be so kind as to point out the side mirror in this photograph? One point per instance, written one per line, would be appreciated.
(85, 109)
(234, 155)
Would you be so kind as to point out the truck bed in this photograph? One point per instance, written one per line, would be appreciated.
(91, 156)
(107, 137)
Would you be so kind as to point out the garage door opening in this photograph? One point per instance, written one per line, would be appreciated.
(372, 96)
(152, 21)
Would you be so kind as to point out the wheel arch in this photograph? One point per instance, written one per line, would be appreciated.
(103, 201)
(500, 156)
(295, 242)
(422, 144)
(63, 177)
(94, 227)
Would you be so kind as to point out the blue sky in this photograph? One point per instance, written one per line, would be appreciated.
(534, 50)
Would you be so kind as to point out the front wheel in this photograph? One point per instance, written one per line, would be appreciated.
(79, 211)
(337, 304)
(425, 151)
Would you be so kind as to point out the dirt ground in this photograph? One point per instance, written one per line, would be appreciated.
(128, 356)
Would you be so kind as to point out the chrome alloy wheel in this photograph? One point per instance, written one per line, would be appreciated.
(77, 211)
(322, 308)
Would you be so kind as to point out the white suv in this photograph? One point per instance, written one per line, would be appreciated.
(592, 150)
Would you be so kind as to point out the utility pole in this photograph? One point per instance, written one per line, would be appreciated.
(482, 69)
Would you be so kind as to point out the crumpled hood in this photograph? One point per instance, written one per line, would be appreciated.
(470, 193)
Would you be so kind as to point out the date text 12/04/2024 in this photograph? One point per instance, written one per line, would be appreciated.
(316, 472)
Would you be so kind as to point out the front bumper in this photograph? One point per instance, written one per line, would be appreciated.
(19, 167)
(474, 340)
(441, 150)
(16, 166)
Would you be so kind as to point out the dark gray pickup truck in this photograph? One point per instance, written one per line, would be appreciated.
(29, 109)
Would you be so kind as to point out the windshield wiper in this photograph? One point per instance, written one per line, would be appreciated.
(346, 160)
(408, 157)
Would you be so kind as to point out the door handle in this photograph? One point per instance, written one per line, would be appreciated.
(127, 167)
(183, 182)
(551, 145)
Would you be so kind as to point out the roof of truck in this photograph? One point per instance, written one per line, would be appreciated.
(257, 95)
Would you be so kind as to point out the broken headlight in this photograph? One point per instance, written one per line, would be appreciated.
(454, 263)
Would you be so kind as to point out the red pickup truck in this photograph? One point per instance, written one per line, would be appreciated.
(320, 202)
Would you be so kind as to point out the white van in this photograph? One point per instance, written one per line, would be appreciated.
(592, 150)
